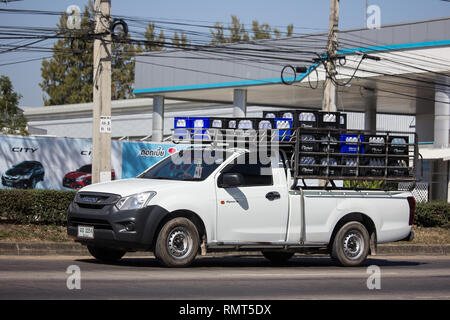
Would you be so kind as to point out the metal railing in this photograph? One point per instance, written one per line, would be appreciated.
(325, 154)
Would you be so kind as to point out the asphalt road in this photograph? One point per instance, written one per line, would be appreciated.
(415, 277)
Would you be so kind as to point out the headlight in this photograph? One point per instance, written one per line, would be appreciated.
(80, 179)
(136, 201)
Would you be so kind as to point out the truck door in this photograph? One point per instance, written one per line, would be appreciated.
(257, 210)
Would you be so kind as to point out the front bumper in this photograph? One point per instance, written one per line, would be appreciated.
(128, 230)
(19, 183)
(73, 185)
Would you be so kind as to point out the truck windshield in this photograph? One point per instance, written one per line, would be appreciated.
(187, 165)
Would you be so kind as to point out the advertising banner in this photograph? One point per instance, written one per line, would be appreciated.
(138, 156)
(50, 163)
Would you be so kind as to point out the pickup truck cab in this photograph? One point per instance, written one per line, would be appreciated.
(206, 199)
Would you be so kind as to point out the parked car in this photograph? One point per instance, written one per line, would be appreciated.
(25, 175)
(81, 177)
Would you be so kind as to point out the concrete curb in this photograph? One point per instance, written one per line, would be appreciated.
(76, 249)
(414, 249)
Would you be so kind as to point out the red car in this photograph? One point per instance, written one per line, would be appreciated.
(81, 177)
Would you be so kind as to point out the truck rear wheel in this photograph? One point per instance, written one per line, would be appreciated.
(277, 257)
(178, 243)
(351, 245)
(106, 254)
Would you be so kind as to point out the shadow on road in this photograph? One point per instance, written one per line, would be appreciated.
(255, 262)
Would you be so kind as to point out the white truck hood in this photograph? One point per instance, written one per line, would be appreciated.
(127, 187)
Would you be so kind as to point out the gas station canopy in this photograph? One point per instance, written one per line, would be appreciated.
(414, 59)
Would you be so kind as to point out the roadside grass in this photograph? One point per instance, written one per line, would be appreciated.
(50, 233)
(32, 233)
(433, 235)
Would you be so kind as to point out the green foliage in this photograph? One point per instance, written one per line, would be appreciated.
(236, 32)
(363, 184)
(35, 206)
(67, 77)
(433, 214)
(12, 120)
(154, 43)
(180, 41)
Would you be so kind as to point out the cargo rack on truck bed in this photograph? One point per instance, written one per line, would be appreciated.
(324, 153)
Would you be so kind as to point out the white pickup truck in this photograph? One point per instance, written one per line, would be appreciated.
(204, 200)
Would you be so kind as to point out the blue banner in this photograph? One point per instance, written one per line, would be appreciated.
(138, 156)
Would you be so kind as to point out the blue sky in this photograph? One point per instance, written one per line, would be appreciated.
(306, 15)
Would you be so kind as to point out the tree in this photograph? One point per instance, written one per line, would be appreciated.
(238, 33)
(236, 29)
(180, 41)
(68, 76)
(154, 43)
(12, 121)
(263, 31)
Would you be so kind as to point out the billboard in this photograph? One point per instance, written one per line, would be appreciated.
(138, 156)
(43, 162)
(65, 163)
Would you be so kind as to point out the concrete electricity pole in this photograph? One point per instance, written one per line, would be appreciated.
(101, 126)
(329, 94)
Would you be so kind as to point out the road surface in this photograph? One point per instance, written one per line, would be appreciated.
(414, 277)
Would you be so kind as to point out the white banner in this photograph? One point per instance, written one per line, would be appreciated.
(50, 163)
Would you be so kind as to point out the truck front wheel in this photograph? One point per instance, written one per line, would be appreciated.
(351, 245)
(177, 243)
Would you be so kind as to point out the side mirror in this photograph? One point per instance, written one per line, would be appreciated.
(230, 180)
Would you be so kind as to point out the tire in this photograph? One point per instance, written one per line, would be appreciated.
(277, 256)
(351, 245)
(106, 254)
(177, 243)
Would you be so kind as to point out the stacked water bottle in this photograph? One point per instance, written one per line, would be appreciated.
(330, 167)
(307, 116)
(399, 145)
(308, 143)
(350, 166)
(306, 165)
(374, 162)
(376, 140)
(329, 117)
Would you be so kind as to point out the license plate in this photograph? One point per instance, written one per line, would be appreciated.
(86, 232)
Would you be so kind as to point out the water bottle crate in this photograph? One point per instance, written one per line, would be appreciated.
(308, 142)
(309, 165)
(329, 143)
(271, 114)
(300, 118)
(329, 120)
(218, 123)
(286, 124)
(375, 144)
(350, 164)
(330, 166)
(351, 143)
(372, 167)
(181, 125)
(250, 123)
(398, 167)
(398, 145)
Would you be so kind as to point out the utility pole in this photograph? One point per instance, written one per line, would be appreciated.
(365, 13)
(101, 126)
(329, 94)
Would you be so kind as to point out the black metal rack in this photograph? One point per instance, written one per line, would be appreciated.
(324, 148)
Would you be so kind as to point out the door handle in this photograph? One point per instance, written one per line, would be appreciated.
(273, 195)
